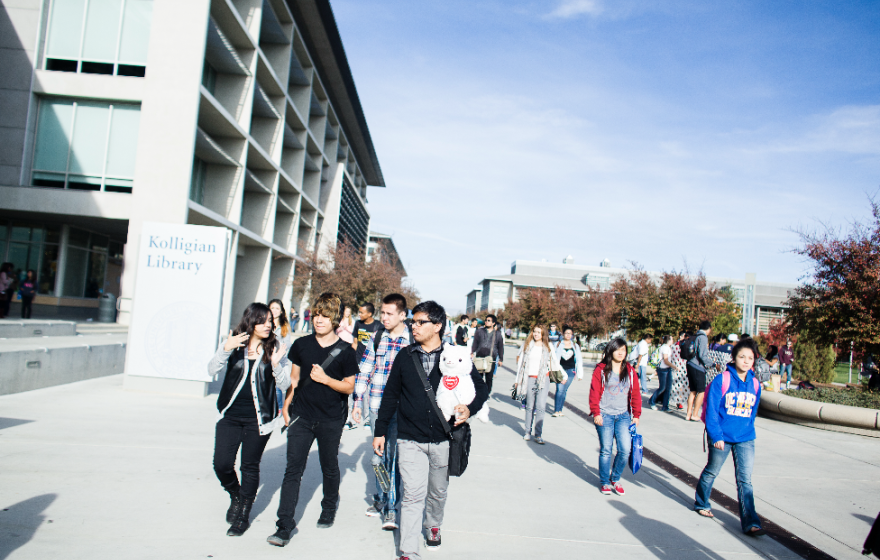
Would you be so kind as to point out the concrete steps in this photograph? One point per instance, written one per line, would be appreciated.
(35, 354)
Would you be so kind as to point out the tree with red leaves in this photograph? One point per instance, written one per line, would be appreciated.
(840, 301)
(591, 313)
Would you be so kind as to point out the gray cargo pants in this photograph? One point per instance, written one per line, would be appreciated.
(425, 477)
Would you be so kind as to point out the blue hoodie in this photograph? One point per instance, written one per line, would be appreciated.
(732, 420)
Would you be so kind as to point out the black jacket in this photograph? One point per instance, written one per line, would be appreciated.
(460, 335)
(405, 395)
(482, 340)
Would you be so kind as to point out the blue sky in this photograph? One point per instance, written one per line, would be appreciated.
(655, 132)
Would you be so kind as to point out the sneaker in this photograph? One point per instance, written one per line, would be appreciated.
(374, 510)
(680, 406)
(350, 426)
(280, 538)
(605, 489)
(328, 516)
(618, 489)
(390, 523)
(527, 437)
(539, 439)
(560, 413)
(555, 415)
(656, 407)
(432, 539)
(403, 558)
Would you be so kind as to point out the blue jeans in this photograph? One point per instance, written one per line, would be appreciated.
(562, 390)
(783, 368)
(613, 428)
(391, 500)
(643, 383)
(279, 394)
(665, 388)
(743, 462)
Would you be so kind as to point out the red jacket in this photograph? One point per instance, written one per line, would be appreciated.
(597, 387)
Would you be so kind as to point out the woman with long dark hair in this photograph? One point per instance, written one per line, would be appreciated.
(569, 353)
(283, 333)
(535, 361)
(615, 403)
(255, 363)
(731, 407)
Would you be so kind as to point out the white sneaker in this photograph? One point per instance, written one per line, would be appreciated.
(527, 437)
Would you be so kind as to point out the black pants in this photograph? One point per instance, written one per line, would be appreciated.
(300, 436)
(5, 302)
(230, 434)
(26, 303)
(488, 377)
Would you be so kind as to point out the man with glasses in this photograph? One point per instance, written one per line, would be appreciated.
(489, 343)
(422, 445)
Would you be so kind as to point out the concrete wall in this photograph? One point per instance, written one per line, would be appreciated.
(30, 328)
(26, 370)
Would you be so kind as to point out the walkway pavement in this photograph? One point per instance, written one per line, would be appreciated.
(90, 471)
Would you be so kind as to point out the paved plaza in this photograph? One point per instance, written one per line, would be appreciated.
(90, 471)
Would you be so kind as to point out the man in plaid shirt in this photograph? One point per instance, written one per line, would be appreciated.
(374, 369)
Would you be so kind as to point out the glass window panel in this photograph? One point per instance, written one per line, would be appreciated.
(53, 180)
(95, 278)
(82, 183)
(23, 256)
(53, 234)
(136, 31)
(102, 30)
(3, 230)
(65, 31)
(48, 270)
(54, 128)
(78, 238)
(99, 242)
(75, 272)
(89, 144)
(37, 235)
(122, 149)
(21, 232)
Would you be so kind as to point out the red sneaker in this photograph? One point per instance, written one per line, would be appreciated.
(605, 489)
(618, 489)
(432, 540)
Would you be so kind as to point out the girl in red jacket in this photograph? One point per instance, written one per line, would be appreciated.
(615, 403)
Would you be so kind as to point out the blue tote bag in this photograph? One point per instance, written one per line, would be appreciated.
(635, 456)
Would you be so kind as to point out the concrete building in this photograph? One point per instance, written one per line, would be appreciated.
(762, 302)
(241, 114)
(382, 244)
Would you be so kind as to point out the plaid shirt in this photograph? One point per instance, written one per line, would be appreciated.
(375, 367)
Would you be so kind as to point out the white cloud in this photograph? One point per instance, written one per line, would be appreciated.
(574, 8)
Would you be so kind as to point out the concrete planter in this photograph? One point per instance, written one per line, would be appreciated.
(837, 417)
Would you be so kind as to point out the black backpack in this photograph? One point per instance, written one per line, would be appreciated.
(688, 347)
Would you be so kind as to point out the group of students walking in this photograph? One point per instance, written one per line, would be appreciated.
(316, 374)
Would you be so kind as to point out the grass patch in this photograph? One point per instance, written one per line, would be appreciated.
(850, 397)
(841, 373)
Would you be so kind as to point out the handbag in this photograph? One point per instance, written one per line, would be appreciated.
(486, 363)
(459, 438)
(557, 376)
(635, 455)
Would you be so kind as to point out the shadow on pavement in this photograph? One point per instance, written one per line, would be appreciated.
(12, 422)
(662, 539)
(19, 523)
(865, 518)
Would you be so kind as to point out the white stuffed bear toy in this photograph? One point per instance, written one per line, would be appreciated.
(456, 387)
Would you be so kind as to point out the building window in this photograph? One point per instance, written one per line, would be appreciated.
(197, 183)
(86, 264)
(99, 36)
(31, 247)
(86, 145)
(354, 222)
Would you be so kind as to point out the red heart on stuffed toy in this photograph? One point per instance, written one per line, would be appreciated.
(450, 382)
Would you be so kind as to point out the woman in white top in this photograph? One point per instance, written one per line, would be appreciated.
(533, 365)
(664, 374)
(283, 334)
(346, 326)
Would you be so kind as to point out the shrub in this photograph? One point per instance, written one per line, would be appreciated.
(860, 397)
(813, 362)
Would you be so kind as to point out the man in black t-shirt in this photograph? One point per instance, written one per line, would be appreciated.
(366, 325)
(318, 412)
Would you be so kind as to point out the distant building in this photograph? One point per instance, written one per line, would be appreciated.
(762, 302)
(382, 244)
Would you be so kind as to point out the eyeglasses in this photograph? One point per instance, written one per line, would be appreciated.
(420, 322)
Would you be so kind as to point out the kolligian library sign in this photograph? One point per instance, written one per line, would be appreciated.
(177, 299)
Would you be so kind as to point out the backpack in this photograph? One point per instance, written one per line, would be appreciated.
(633, 355)
(725, 386)
(762, 370)
(654, 361)
(688, 347)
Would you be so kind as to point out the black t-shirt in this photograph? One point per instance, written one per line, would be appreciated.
(567, 363)
(362, 331)
(243, 405)
(316, 401)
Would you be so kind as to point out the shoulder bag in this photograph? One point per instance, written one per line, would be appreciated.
(459, 438)
(486, 363)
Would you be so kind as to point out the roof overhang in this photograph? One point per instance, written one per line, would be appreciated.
(315, 20)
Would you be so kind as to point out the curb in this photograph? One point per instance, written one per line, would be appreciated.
(815, 414)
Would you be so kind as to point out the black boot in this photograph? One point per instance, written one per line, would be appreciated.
(234, 506)
(242, 522)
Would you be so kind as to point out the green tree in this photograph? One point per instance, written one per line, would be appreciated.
(813, 362)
